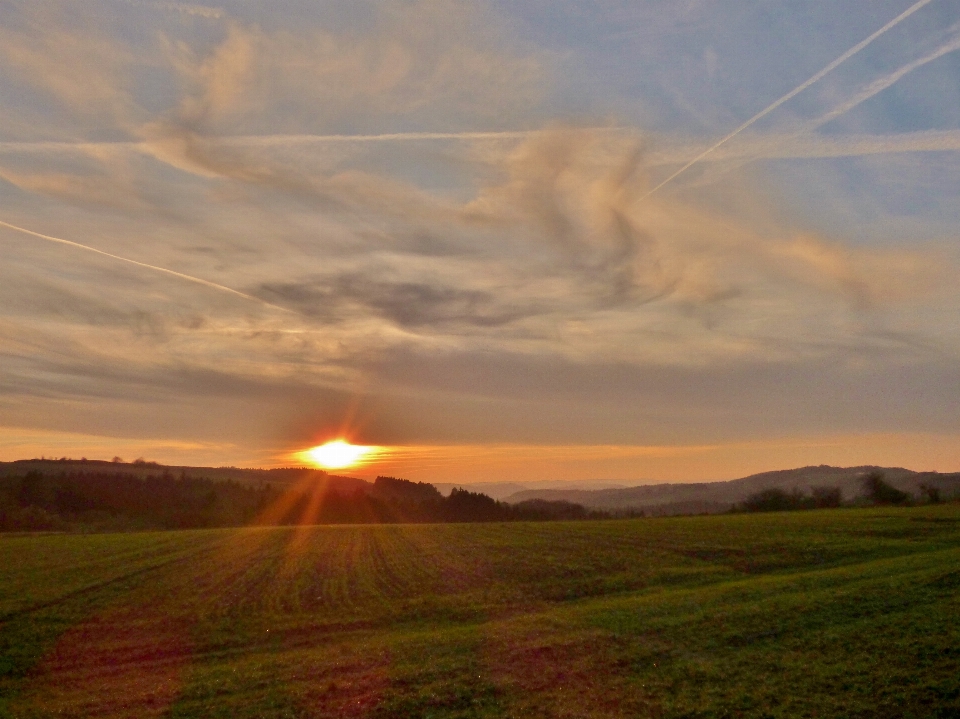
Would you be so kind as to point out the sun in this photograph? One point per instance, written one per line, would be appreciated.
(336, 454)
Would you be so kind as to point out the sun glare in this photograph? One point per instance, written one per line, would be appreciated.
(337, 454)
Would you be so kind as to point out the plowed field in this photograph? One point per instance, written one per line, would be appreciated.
(828, 613)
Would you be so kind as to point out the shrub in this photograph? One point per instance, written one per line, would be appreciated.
(824, 497)
(777, 500)
(880, 492)
(932, 493)
(774, 500)
(29, 519)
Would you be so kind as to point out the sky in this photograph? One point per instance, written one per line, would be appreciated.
(632, 240)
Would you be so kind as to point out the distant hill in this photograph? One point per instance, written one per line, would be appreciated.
(283, 476)
(82, 495)
(51, 493)
(709, 497)
(500, 490)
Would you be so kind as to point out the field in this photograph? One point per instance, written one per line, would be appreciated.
(851, 612)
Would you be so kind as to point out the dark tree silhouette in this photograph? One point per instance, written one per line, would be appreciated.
(824, 497)
(121, 500)
(778, 500)
(880, 492)
(932, 493)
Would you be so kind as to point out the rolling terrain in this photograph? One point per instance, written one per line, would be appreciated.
(79, 497)
(712, 497)
(279, 477)
(848, 612)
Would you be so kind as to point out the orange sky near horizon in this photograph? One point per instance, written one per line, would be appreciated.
(532, 463)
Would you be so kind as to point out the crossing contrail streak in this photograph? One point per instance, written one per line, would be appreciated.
(881, 84)
(780, 147)
(795, 91)
(164, 270)
(182, 8)
(268, 141)
(792, 145)
(386, 137)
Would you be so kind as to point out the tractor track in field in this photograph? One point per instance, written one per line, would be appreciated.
(97, 586)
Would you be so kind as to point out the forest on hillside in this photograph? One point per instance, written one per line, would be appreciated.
(79, 498)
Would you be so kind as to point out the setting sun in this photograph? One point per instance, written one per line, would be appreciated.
(337, 454)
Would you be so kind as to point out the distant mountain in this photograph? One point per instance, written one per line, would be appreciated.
(708, 497)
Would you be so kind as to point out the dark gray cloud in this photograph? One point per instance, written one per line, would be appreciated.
(408, 304)
(536, 399)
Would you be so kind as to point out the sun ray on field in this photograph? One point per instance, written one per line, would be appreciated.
(313, 507)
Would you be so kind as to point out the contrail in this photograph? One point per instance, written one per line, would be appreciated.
(795, 91)
(56, 146)
(276, 140)
(213, 13)
(272, 140)
(878, 86)
(403, 136)
(881, 84)
(386, 137)
(786, 146)
(773, 146)
(164, 270)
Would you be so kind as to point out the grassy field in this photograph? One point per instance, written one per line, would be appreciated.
(829, 613)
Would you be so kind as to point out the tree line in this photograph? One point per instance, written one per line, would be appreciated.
(71, 500)
(876, 491)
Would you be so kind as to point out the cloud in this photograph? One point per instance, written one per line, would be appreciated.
(204, 11)
(952, 44)
(144, 265)
(562, 255)
(566, 190)
(414, 305)
(434, 63)
(75, 188)
(448, 273)
(559, 253)
(777, 146)
(418, 62)
(816, 77)
(803, 143)
(69, 59)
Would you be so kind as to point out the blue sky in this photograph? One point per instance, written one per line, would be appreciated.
(234, 230)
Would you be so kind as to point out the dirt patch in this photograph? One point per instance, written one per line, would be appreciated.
(123, 663)
(542, 675)
(345, 685)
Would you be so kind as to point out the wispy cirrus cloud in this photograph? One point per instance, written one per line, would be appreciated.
(816, 77)
(459, 257)
(204, 11)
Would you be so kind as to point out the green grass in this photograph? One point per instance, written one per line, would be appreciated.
(822, 614)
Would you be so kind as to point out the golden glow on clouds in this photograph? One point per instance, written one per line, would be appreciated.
(337, 454)
(636, 464)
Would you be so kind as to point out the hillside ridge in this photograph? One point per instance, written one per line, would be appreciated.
(719, 496)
